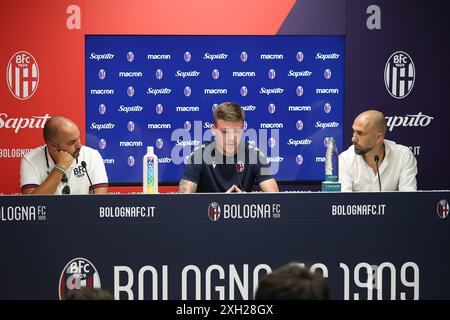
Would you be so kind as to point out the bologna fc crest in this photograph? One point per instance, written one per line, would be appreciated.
(214, 211)
(271, 108)
(187, 56)
(299, 159)
(102, 74)
(78, 273)
(299, 125)
(442, 209)
(272, 74)
(240, 166)
(22, 75)
(244, 56)
(130, 91)
(214, 107)
(299, 56)
(159, 108)
(327, 107)
(131, 161)
(130, 56)
(187, 125)
(159, 143)
(102, 144)
(159, 74)
(215, 74)
(187, 91)
(131, 126)
(299, 91)
(399, 74)
(327, 74)
(271, 142)
(244, 91)
(102, 108)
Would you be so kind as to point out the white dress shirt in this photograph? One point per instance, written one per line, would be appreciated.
(397, 170)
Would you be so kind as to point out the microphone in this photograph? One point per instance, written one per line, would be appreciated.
(239, 169)
(377, 158)
(83, 164)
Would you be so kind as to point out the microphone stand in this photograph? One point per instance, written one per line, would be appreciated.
(239, 169)
(377, 158)
(83, 164)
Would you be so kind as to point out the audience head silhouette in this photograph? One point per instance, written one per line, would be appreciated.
(88, 293)
(293, 282)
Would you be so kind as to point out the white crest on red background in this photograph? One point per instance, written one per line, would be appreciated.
(22, 75)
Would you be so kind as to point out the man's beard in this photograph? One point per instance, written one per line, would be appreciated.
(360, 151)
(76, 154)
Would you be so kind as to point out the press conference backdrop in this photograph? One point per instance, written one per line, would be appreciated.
(50, 36)
(140, 89)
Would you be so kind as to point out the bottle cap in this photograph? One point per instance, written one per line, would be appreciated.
(149, 149)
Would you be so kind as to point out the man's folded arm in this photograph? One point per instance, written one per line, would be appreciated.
(345, 176)
(269, 185)
(407, 181)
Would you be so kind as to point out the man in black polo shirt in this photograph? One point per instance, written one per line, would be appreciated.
(227, 164)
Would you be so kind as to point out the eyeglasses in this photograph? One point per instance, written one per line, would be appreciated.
(66, 189)
(235, 132)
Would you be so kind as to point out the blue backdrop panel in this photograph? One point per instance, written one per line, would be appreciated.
(140, 89)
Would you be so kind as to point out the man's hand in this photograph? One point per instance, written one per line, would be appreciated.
(234, 188)
(186, 186)
(63, 159)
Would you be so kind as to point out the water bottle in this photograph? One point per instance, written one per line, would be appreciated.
(150, 171)
(331, 182)
(331, 161)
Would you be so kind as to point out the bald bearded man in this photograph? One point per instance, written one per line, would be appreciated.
(63, 165)
(397, 166)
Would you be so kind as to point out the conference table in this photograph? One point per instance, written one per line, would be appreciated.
(369, 246)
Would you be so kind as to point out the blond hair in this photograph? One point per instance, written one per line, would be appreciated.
(229, 111)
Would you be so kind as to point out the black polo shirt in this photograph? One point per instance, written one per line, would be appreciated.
(213, 172)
